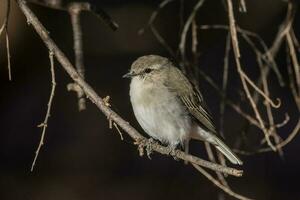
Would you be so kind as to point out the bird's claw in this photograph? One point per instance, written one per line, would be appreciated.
(172, 152)
(149, 149)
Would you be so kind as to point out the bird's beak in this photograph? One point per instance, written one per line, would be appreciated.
(129, 75)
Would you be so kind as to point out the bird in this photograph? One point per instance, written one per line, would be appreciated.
(169, 107)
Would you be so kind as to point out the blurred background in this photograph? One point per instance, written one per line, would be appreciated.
(82, 158)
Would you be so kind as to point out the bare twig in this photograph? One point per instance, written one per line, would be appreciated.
(295, 40)
(235, 43)
(291, 136)
(212, 159)
(218, 184)
(45, 122)
(155, 14)
(162, 41)
(150, 24)
(119, 131)
(283, 29)
(195, 63)
(4, 28)
(292, 81)
(186, 27)
(75, 11)
(8, 54)
(242, 6)
(92, 95)
(224, 84)
(273, 131)
(294, 60)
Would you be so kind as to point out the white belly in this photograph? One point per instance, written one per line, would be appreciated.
(159, 112)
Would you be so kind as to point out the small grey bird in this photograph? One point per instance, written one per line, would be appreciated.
(168, 107)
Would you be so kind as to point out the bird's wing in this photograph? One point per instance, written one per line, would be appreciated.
(191, 98)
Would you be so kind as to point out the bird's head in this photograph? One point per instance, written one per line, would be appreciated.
(150, 67)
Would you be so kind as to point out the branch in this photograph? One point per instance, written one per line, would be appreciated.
(98, 101)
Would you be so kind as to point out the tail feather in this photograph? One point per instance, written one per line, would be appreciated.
(225, 150)
(201, 134)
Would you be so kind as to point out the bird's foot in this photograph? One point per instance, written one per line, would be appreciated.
(172, 151)
(149, 149)
(146, 144)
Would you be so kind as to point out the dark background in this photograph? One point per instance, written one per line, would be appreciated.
(82, 158)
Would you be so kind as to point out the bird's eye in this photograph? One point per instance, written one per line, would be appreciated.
(148, 70)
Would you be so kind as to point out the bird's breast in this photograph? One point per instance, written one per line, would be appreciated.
(159, 111)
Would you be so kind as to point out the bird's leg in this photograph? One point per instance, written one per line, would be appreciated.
(186, 148)
(149, 149)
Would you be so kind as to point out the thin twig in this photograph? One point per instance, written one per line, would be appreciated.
(162, 41)
(150, 24)
(195, 63)
(295, 40)
(98, 101)
(186, 27)
(212, 159)
(119, 131)
(291, 136)
(242, 6)
(292, 81)
(44, 124)
(154, 15)
(235, 43)
(4, 28)
(283, 29)
(272, 130)
(294, 60)
(219, 185)
(8, 54)
(224, 84)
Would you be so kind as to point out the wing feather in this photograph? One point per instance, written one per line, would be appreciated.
(191, 98)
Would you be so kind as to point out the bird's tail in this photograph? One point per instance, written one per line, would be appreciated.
(201, 134)
(225, 150)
